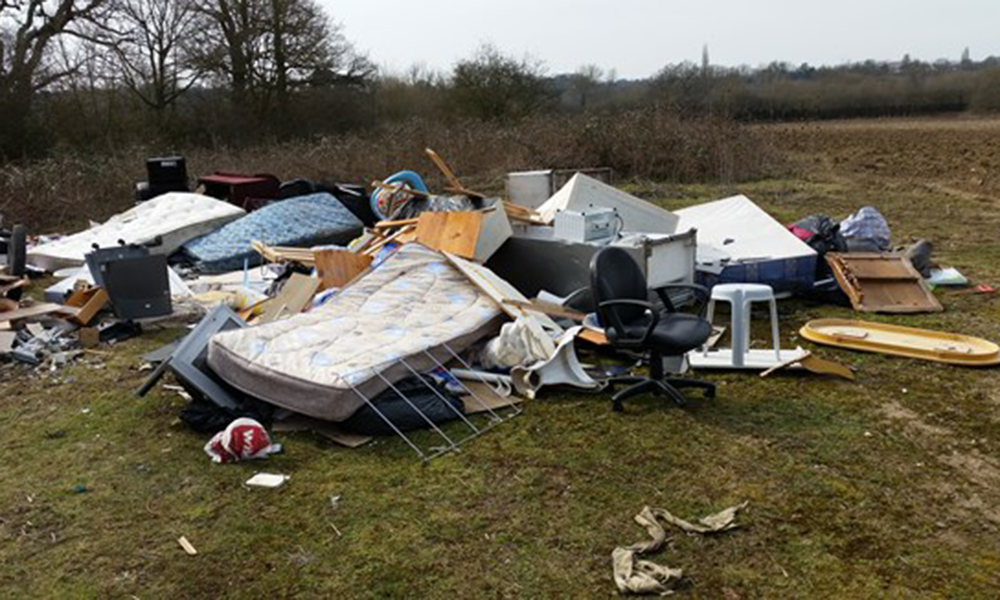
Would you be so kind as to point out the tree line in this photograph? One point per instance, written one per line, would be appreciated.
(93, 74)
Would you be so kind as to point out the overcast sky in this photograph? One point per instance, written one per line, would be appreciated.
(637, 37)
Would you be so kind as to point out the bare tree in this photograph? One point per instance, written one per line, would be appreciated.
(153, 48)
(587, 81)
(266, 49)
(28, 30)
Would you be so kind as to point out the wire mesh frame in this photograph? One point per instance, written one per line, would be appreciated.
(495, 418)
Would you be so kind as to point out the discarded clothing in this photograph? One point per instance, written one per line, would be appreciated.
(244, 439)
(325, 362)
(432, 399)
(866, 231)
(174, 218)
(634, 575)
(301, 222)
(516, 346)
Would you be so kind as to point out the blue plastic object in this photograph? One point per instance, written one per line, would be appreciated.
(410, 178)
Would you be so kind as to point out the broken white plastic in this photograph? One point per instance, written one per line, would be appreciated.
(267, 480)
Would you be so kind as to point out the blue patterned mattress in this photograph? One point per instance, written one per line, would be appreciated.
(302, 222)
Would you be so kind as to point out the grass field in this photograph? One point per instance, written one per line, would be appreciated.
(886, 487)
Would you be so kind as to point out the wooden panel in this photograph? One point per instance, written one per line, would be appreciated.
(454, 232)
(337, 268)
(885, 283)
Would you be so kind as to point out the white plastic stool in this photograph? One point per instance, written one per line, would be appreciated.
(741, 296)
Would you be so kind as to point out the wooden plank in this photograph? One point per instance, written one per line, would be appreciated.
(337, 268)
(374, 248)
(442, 166)
(294, 297)
(8, 287)
(553, 310)
(39, 310)
(90, 302)
(396, 223)
(594, 337)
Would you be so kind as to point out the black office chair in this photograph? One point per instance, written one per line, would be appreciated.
(631, 322)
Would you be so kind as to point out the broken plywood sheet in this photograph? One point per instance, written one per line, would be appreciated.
(582, 192)
(337, 268)
(885, 283)
(294, 297)
(475, 235)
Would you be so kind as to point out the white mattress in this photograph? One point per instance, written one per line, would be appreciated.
(313, 363)
(176, 217)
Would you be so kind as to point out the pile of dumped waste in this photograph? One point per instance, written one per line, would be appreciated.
(365, 311)
(359, 312)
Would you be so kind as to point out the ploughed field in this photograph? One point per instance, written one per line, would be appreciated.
(889, 486)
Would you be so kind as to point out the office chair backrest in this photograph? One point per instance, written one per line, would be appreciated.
(614, 275)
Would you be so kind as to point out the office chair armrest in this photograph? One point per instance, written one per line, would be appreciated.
(701, 295)
(619, 326)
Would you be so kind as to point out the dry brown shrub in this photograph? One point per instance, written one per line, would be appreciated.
(63, 192)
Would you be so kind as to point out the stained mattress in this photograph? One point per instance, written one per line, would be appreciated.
(301, 221)
(321, 363)
(177, 218)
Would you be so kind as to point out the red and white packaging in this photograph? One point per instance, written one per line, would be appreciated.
(244, 439)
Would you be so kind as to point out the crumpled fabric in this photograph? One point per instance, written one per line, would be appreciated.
(516, 346)
(243, 439)
(635, 575)
(866, 230)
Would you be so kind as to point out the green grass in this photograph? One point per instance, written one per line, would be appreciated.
(846, 499)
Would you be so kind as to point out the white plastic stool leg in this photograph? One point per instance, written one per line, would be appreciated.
(709, 315)
(774, 329)
(740, 334)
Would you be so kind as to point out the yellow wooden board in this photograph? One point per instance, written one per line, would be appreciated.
(937, 346)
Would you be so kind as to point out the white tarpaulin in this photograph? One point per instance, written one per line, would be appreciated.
(738, 237)
(737, 229)
(583, 192)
